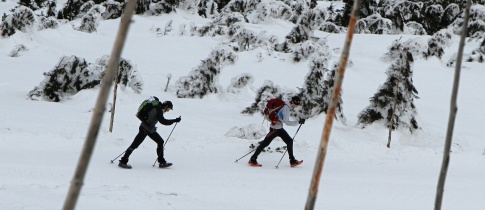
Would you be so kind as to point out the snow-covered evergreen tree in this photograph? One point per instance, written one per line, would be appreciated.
(477, 55)
(267, 91)
(436, 44)
(204, 78)
(128, 74)
(112, 10)
(90, 21)
(374, 24)
(397, 91)
(22, 19)
(432, 18)
(240, 82)
(70, 10)
(163, 7)
(304, 50)
(414, 28)
(68, 77)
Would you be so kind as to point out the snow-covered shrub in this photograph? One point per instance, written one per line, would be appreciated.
(241, 6)
(228, 19)
(475, 23)
(112, 10)
(22, 19)
(416, 46)
(264, 93)
(245, 38)
(414, 28)
(90, 21)
(211, 30)
(142, 6)
(432, 18)
(251, 131)
(240, 82)
(128, 75)
(85, 8)
(204, 78)
(450, 13)
(280, 10)
(299, 34)
(71, 75)
(304, 50)
(70, 10)
(397, 91)
(163, 6)
(206, 8)
(48, 22)
(17, 49)
(374, 24)
(478, 55)
(330, 27)
(441, 39)
(312, 19)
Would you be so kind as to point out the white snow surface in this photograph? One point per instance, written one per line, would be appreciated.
(41, 142)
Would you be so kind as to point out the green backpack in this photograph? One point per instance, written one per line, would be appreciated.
(145, 107)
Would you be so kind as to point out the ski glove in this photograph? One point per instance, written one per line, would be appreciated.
(302, 121)
(178, 119)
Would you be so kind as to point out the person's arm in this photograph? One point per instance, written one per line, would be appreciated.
(284, 115)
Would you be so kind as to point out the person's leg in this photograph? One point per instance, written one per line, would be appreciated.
(288, 141)
(136, 142)
(159, 140)
(267, 140)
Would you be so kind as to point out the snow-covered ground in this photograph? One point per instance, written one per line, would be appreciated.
(40, 142)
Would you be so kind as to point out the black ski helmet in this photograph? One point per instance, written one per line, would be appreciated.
(295, 100)
(168, 104)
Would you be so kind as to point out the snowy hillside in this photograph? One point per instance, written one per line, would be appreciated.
(41, 141)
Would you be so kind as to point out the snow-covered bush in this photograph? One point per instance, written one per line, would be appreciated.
(414, 28)
(240, 82)
(441, 39)
(17, 49)
(206, 8)
(475, 23)
(374, 24)
(251, 131)
(397, 91)
(245, 38)
(478, 55)
(70, 10)
(71, 75)
(128, 75)
(330, 27)
(280, 10)
(22, 19)
(48, 22)
(112, 10)
(90, 21)
(204, 78)
(304, 50)
(163, 6)
(268, 91)
(432, 18)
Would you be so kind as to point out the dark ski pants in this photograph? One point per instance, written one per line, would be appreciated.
(142, 134)
(273, 133)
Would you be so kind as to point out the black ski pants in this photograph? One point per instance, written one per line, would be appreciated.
(142, 134)
(273, 133)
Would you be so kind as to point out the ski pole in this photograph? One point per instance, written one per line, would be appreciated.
(287, 148)
(117, 157)
(166, 142)
(245, 155)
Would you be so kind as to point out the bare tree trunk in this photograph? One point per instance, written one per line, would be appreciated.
(77, 180)
(169, 76)
(113, 107)
(453, 110)
(322, 151)
(391, 124)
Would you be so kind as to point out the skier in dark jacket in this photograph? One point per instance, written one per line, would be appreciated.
(147, 128)
(277, 130)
